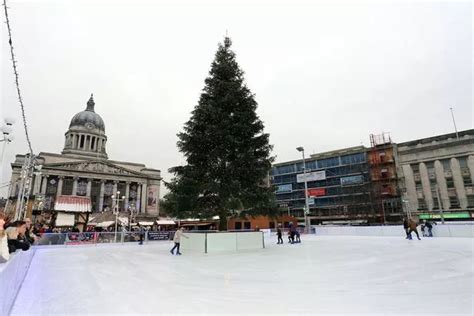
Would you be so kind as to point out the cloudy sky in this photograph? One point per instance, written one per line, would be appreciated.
(325, 74)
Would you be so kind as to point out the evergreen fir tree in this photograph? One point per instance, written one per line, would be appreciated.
(226, 149)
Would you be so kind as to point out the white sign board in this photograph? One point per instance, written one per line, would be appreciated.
(311, 176)
(311, 201)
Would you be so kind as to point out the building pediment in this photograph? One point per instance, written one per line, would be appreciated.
(93, 167)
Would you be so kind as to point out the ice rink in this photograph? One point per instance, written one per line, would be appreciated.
(323, 275)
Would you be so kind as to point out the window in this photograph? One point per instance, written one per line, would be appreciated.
(446, 164)
(419, 187)
(246, 225)
(467, 181)
(238, 225)
(453, 200)
(470, 201)
(435, 203)
(353, 159)
(415, 168)
(329, 162)
(284, 169)
(462, 162)
(450, 183)
(422, 204)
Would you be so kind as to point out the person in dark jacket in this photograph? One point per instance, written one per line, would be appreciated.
(405, 226)
(14, 233)
(429, 225)
(280, 240)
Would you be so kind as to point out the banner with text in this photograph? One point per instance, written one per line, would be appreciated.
(311, 176)
(317, 192)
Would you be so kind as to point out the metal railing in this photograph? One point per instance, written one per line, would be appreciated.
(95, 238)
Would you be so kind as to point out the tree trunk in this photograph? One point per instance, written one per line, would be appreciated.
(223, 221)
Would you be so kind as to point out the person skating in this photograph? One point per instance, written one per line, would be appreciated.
(405, 226)
(280, 240)
(429, 225)
(412, 228)
(297, 235)
(177, 240)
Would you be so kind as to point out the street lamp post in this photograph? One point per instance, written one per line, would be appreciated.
(116, 199)
(306, 211)
(132, 210)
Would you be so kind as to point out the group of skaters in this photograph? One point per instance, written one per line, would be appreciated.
(293, 234)
(411, 226)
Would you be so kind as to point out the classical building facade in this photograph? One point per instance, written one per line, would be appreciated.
(438, 172)
(83, 169)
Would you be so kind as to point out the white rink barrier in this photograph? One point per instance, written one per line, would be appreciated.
(224, 241)
(12, 274)
(440, 230)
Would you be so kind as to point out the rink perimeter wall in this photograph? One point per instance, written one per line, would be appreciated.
(12, 274)
(225, 241)
(447, 230)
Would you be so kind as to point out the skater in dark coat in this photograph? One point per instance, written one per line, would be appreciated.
(280, 240)
(429, 225)
(297, 235)
(405, 226)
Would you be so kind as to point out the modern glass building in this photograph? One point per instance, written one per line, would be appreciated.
(339, 187)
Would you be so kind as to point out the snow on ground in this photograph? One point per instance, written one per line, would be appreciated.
(323, 275)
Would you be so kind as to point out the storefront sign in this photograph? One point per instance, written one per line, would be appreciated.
(445, 215)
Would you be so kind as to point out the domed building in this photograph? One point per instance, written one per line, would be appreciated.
(82, 179)
(86, 134)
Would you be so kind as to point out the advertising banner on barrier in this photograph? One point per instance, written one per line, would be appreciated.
(160, 235)
(311, 176)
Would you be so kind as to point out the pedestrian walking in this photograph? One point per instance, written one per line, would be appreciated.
(280, 240)
(177, 240)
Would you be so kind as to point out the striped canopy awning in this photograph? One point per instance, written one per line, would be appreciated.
(68, 203)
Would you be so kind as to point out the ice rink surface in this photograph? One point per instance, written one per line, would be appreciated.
(327, 275)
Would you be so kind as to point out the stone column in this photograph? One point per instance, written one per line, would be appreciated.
(60, 186)
(442, 187)
(127, 194)
(144, 196)
(74, 186)
(459, 182)
(425, 182)
(89, 187)
(139, 196)
(37, 185)
(410, 187)
(470, 165)
(115, 188)
(44, 184)
(101, 195)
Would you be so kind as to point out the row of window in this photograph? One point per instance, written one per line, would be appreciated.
(446, 163)
(321, 163)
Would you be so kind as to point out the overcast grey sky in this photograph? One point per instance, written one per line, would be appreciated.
(325, 74)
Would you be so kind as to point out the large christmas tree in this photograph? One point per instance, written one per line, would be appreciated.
(226, 149)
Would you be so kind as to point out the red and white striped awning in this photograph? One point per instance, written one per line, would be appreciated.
(68, 203)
